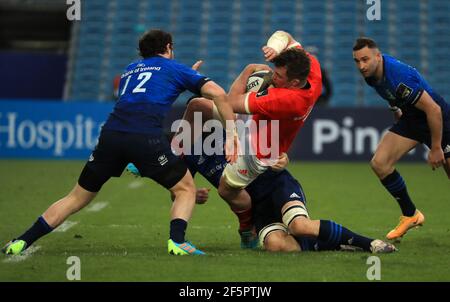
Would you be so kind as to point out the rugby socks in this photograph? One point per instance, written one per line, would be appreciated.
(245, 219)
(38, 229)
(178, 230)
(395, 184)
(332, 235)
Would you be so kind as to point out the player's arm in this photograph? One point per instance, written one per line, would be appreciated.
(237, 94)
(279, 41)
(434, 119)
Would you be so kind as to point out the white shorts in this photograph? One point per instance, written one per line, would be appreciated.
(245, 170)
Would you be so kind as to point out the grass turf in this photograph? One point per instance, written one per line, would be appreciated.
(127, 240)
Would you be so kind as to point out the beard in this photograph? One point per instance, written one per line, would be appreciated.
(371, 80)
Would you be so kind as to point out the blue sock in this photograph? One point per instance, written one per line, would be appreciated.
(38, 229)
(395, 184)
(177, 230)
(333, 235)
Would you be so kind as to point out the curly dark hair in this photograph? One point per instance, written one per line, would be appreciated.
(297, 62)
(154, 42)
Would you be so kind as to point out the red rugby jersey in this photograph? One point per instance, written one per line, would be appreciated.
(290, 106)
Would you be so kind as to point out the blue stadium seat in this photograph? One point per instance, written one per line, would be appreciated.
(107, 38)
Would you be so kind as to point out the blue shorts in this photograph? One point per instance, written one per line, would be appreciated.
(418, 130)
(151, 154)
(269, 193)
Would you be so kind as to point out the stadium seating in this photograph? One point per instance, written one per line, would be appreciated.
(227, 35)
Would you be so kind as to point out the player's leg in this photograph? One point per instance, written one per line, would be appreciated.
(241, 204)
(195, 106)
(275, 238)
(58, 212)
(154, 159)
(392, 147)
(183, 205)
(329, 234)
(81, 195)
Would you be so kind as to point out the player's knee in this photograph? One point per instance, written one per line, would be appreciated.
(274, 238)
(379, 166)
(185, 186)
(274, 242)
(224, 190)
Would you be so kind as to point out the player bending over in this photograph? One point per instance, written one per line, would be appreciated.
(422, 116)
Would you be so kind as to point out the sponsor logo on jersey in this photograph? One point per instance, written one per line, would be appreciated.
(403, 92)
(162, 159)
(447, 149)
(201, 160)
(91, 157)
(294, 195)
(243, 171)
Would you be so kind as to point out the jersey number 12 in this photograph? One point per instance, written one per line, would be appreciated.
(143, 78)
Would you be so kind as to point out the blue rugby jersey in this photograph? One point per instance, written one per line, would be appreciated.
(402, 86)
(147, 90)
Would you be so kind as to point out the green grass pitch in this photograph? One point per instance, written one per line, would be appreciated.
(127, 240)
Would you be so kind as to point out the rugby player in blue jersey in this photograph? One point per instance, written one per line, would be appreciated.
(278, 205)
(422, 116)
(133, 133)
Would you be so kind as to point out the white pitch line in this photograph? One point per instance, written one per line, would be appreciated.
(124, 226)
(24, 256)
(65, 226)
(98, 206)
(136, 184)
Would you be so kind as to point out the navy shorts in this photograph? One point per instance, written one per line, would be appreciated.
(269, 193)
(151, 154)
(418, 130)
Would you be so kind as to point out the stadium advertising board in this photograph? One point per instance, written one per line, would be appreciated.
(32, 129)
(59, 130)
(349, 134)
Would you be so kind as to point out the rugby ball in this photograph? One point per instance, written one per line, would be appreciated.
(259, 81)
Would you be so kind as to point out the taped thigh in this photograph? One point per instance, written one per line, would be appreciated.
(294, 211)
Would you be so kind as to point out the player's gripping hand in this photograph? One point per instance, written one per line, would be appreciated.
(231, 147)
(202, 195)
(283, 161)
(436, 157)
(269, 53)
